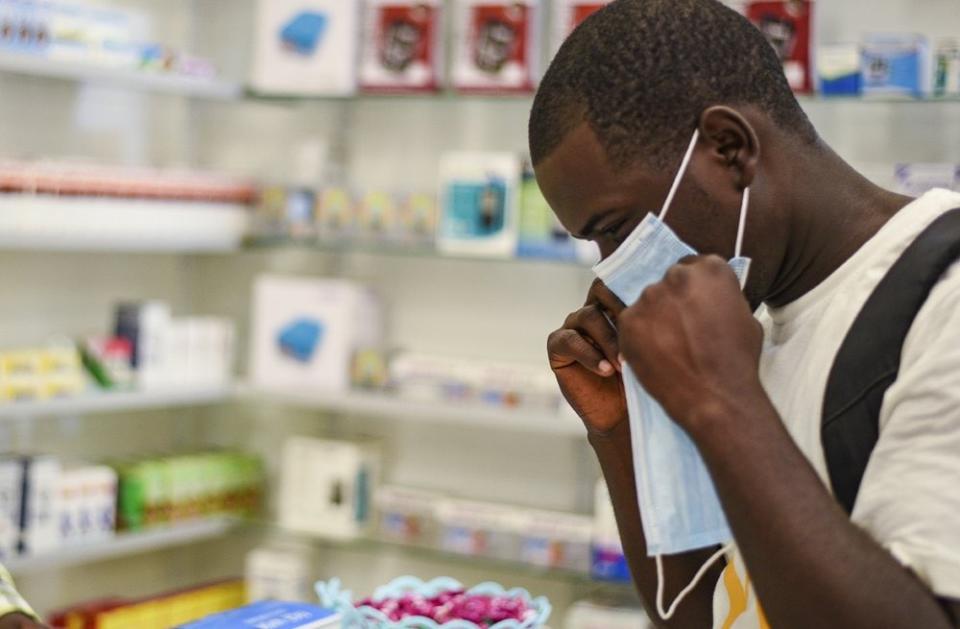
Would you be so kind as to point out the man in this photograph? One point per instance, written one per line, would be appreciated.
(608, 128)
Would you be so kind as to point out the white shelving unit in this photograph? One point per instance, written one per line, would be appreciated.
(40, 222)
(114, 402)
(398, 408)
(30, 65)
(126, 544)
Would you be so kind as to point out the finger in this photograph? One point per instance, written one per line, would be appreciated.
(567, 347)
(593, 323)
(602, 296)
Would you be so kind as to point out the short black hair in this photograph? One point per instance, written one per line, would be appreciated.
(641, 72)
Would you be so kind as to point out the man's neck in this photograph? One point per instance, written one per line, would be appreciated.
(835, 211)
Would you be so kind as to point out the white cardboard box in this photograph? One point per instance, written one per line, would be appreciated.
(11, 498)
(39, 532)
(306, 331)
(327, 487)
(496, 45)
(306, 47)
(479, 203)
(402, 45)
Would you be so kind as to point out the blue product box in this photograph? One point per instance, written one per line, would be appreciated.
(896, 65)
(272, 615)
(838, 67)
(608, 563)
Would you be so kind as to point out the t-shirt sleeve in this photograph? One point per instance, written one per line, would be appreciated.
(909, 500)
(10, 599)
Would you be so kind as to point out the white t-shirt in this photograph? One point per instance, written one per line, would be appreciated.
(909, 500)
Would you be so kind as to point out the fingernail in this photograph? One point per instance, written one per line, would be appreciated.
(605, 366)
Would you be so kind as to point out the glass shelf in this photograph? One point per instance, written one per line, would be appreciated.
(127, 545)
(375, 546)
(387, 249)
(117, 401)
(199, 87)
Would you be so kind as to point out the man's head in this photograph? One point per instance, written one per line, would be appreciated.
(622, 99)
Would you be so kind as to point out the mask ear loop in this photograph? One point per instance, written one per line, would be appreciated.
(744, 204)
(668, 614)
(680, 173)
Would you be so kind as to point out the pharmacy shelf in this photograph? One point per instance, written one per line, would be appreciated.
(377, 546)
(440, 412)
(116, 402)
(32, 65)
(127, 544)
(42, 222)
(396, 250)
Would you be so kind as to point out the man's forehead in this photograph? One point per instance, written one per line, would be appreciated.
(578, 179)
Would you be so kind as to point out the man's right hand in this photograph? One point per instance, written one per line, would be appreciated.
(584, 356)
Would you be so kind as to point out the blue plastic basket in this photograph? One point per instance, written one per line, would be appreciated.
(334, 597)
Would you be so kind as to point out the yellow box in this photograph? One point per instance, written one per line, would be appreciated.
(20, 363)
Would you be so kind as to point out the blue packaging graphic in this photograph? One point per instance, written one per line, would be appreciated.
(304, 33)
(896, 65)
(476, 209)
(300, 339)
(272, 614)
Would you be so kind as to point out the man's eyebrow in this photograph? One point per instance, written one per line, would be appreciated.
(586, 231)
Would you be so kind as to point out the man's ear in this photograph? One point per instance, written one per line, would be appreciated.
(732, 141)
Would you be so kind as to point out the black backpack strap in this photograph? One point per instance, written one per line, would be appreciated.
(869, 359)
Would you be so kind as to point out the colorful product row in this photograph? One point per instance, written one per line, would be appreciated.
(174, 488)
(41, 373)
(168, 610)
(76, 32)
(334, 47)
(335, 215)
(890, 65)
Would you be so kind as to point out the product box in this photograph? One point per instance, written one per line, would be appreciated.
(479, 204)
(327, 487)
(145, 326)
(271, 615)
(11, 502)
(556, 540)
(402, 46)
(88, 503)
(497, 45)
(896, 64)
(306, 47)
(479, 529)
(335, 214)
(377, 216)
(418, 218)
(540, 234)
(915, 179)
(788, 26)
(107, 360)
(838, 67)
(40, 516)
(566, 15)
(280, 573)
(947, 69)
(408, 515)
(306, 331)
(608, 563)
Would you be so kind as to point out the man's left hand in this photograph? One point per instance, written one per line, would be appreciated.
(693, 342)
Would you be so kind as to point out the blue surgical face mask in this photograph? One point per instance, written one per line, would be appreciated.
(678, 503)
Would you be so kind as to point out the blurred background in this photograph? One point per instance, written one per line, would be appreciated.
(276, 282)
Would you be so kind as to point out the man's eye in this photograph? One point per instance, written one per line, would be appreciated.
(613, 230)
